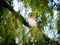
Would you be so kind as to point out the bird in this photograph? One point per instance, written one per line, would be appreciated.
(32, 20)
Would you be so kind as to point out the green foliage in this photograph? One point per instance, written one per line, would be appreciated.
(58, 22)
(11, 23)
(8, 24)
(38, 6)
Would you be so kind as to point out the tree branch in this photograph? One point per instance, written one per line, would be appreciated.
(16, 14)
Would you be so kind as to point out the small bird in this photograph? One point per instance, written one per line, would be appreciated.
(32, 20)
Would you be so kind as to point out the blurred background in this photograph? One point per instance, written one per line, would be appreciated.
(29, 22)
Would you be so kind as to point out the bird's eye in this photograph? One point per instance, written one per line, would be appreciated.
(31, 15)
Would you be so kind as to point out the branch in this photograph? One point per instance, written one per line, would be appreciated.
(16, 14)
